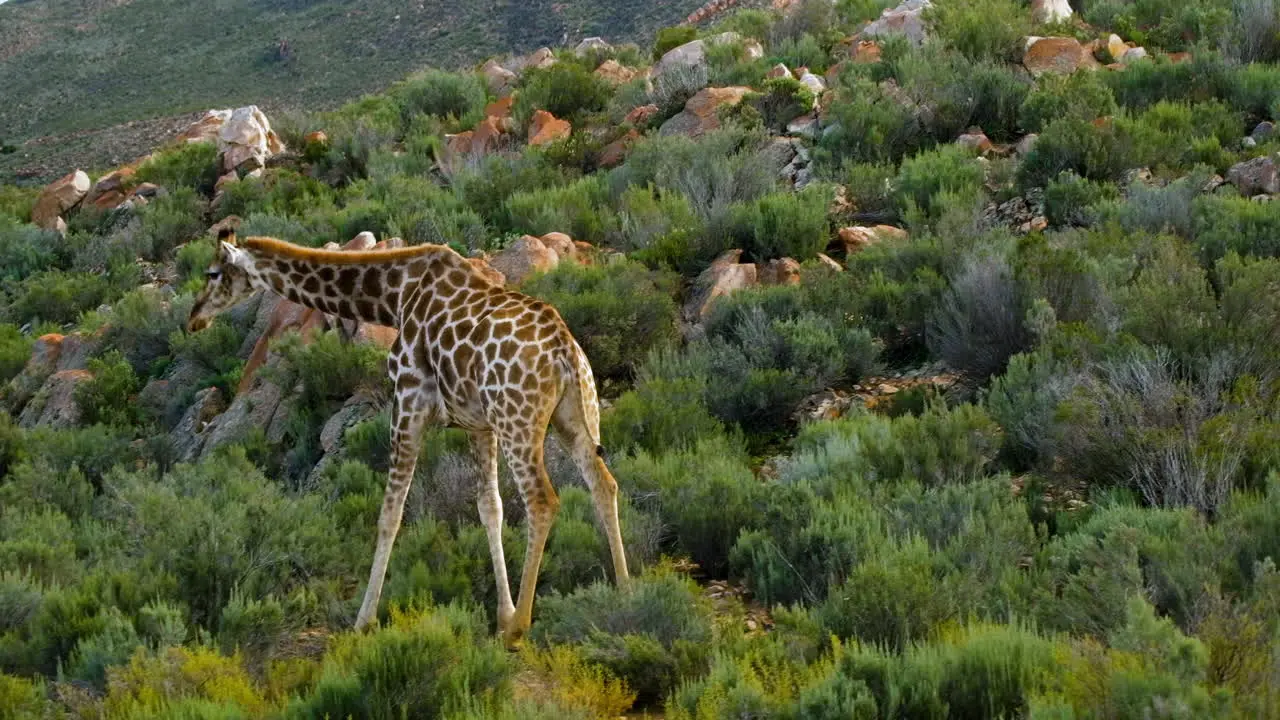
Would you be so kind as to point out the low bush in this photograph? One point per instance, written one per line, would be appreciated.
(456, 96)
(650, 634)
(107, 397)
(617, 312)
(1225, 223)
(15, 350)
(981, 321)
(1070, 200)
(26, 250)
(948, 169)
(566, 90)
(784, 225)
(1081, 96)
(982, 29)
(189, 165)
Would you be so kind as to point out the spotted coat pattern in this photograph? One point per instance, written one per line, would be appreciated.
(470, 354)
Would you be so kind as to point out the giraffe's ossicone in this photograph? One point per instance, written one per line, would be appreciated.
(470, 354)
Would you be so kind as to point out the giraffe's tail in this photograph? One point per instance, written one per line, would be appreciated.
(581, 383)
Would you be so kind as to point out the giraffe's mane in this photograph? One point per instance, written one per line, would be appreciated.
(281, 249)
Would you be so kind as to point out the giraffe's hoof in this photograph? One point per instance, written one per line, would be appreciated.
(513, 639)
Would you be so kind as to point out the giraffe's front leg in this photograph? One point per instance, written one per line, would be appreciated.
(408, 418)
(489, 502)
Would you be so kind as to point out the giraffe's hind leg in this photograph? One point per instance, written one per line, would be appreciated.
(484, 445)
(523, 447)
(579, 437)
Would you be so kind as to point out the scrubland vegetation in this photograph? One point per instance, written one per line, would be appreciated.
(1085, 524)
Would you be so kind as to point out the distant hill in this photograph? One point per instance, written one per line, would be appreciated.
(71, 70)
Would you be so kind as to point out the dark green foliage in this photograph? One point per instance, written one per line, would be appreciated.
(1090, 151)
(425, 665)
(672, 37)
(106, 398)
(982, 29)
(1071, 200)
(26, 249)
(649, 635)
(56, 297)
(708, 474)
(442, 94)
(659, 415)
(871, 126)
(948, 169)
(15, 349)
(782, 100)
(190, 165)
(566, 90)
(1166, 25)
(784, 225)
(618, 312)
(1083, 96)
(1225, 223)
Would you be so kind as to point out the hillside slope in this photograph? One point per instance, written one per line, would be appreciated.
(84, 65)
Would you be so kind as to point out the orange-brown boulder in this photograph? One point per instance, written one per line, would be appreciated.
(614, 72)
(829, 263)
(614, 153)
(700, 112)
(640, 116)
(561, 244)
(1062, 55)
(725, 276)
(865, 52)
(524, 257)
(780, 271)
(857, 238)
(482, 265)
(545, 128)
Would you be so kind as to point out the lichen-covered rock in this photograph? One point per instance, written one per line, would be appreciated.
(615, 73)
(779, 271)
(501, 80)
(246, 140)
(1256, 176)
(857, 238)
(188, 436)
(1062, 55)
(54, 404)
(906, 19)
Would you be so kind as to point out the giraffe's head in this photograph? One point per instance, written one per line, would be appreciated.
(226, 283)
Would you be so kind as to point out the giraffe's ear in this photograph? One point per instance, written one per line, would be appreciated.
(227, 235)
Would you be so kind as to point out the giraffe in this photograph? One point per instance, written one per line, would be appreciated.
(470, 354)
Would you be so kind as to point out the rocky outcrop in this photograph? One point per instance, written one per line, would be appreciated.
(545, 128)
(54, 405)
(189, 435)
(615, 153)
(700, 112)
(524, 257)
(1255, 177)
(905, 19)
(246, 140)
(1062, 55)
(110, 189)
(207, 128)
(1048, 11)
(481, 264)
(976, 140)
(726, 275)
(58, 197)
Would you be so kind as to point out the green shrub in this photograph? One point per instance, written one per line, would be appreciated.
(15, 350)
(617, 312)
(33, 485)
(26, 250)
(58, 297)
(250, 625)
(281, 193)
(442, 94)
(949, 169)
(23, 699)
(1090, 151)
(170, 221)
(686, 482)
(190, 165)
(1071, 200)
(870, 126)
(869, 186)
(579, 210)
(784, 225)
(892, 599)
(1223, 223)
(1165, 25)
(783, 100)
(659, 415)
(107, 397)
(1023, 401)
(112, 645)
(649, 635)
(1081, 96)
(141, 323)
(566, 90)
(672, 37)
(981, 320)
(981, 29)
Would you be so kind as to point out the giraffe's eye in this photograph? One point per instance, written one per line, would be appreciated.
(213, 274)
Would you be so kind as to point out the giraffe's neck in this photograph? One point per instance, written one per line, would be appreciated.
(365, 291)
